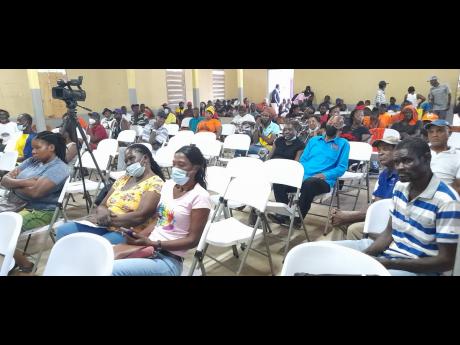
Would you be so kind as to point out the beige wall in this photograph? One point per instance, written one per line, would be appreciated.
(104, 88)
(255, 84)
(205, 84)
(231, 84)
(354, 85)
(15, 95)
(151, 87)
(189, 87)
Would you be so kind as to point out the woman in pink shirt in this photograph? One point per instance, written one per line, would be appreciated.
(183, 212)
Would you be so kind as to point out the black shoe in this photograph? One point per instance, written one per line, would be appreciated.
(297, 223)
(282, 220)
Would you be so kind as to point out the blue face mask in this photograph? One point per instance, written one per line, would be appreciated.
(135, 170)
(21, 127)
(179, 176)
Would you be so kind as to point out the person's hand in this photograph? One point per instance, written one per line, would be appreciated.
(385, 262)
(137, 239)
(103, 216)
(14, 173)
(338, 217)
(320, 176)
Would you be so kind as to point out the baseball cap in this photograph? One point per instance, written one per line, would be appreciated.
(383, 82)
(433, 77)
(118, 111)
(161, 113)
(392, 138)
(430, 117)
(439, 123)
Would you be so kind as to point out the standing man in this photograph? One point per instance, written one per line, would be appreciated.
(439, 97)
(275, 97)
(380, 97)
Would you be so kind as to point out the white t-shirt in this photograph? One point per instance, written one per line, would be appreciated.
(174, 214)
(446, 165)
(238, 119)
(412, 98)
(8, 130)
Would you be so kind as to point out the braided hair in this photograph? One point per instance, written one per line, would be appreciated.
(55, 139)
(144, 150)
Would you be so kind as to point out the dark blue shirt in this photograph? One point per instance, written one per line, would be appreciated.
(386, 184)
(394, 107)
(28, 146)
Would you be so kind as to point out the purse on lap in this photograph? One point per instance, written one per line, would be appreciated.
(130, 251)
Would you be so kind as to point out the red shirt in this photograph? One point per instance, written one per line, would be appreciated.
(97, 133)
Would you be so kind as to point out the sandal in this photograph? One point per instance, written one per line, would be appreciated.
(23, 269)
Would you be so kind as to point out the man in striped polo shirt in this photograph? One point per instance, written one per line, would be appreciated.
(422, 233)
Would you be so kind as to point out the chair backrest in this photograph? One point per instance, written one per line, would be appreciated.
(210, 149)
(102, 159)
(284, 171)
(9, 234)
(172, 128)
(138, 129)
(454, 140)
(203, 137)
(185, 122)
(127, 136)
(217, 179)
(252, 191)
(8, 160)
(164, 156)
(245, 166)
(80, 254)
(329, 258)
(360, 151)
(377, 216)
(109, 146)
(179, 140)
(228, 129)
(185, 133)
(237, 142)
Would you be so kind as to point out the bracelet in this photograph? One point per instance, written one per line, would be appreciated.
(158, 248)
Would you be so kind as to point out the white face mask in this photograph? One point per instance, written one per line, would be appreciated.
(166, 111)
(92, 121)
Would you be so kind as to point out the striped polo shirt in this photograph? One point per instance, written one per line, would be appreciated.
(418, 225)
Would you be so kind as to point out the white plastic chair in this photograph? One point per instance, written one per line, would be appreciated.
(456, 120)
(80, 254)
(148, 145)
(108, 147)
(172, 128)
(289, 173)
(454, 140)
(228, 129)
(127, 136)
(55, 130)
(8, 160)
(210, 150)
(324, 258)
(361, 152)
(377, 216)
(180, 140)
(185, 133)
(236, 142)
(185, 122)
(11, 228)
(203, 137)
(231, 232)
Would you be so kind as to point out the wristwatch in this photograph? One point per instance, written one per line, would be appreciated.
(158, 247)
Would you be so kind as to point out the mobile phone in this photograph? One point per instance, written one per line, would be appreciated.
(128, 232)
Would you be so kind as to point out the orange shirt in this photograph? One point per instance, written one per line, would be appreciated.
(384, 121)
(208, 126)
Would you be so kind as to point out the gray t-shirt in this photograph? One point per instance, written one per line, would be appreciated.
(440, 96)
(56, 171)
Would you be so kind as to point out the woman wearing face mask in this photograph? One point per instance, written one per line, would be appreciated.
(96, 131)
(130, 203)
(313, 129)
(183, 212)
(171, 118)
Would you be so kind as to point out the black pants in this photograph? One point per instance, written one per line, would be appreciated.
(311, 187)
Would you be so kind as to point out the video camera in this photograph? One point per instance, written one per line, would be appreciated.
(65, 92)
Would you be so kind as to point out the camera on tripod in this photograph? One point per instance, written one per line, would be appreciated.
(65, 92)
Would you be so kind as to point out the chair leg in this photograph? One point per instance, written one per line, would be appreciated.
(288, 239)
(264, 233)
(357, 195)
(235, 251)
(303, 224)
(246, 252)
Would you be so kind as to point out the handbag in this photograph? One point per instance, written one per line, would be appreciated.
(11, 203)
(130, 251)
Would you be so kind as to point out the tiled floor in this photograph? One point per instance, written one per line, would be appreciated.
(256, 264)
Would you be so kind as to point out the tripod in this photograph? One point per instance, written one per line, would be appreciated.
(74, 125)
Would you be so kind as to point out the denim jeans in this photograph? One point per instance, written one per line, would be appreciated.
(71, 228)
(363, 244)
(161, 265)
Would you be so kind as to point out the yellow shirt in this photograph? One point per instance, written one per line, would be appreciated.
(170, 119)
(126, 201)
(20, 144)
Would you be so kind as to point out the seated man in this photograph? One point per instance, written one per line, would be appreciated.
(422, 233)
(8, 129)
(265, 133)
(96, 131)
(171, 118)
(155, 132)
(324, 160)
(445, 160)
(350, 224)
(24, 141)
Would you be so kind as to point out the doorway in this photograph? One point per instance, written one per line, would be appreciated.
(283, 77)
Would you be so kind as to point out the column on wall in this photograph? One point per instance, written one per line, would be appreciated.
(132, 93)
(196, 88)
(239, 77)
(37, 102)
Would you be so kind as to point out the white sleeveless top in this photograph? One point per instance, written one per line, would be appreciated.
(412, 98)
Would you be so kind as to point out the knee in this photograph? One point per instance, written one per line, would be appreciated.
(66, 229)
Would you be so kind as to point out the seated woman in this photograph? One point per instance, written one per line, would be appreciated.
(183, 213)
(210, 124)
(131, 202)
(312, 129)
(39, 181)
(356, 131)
(407, 123)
